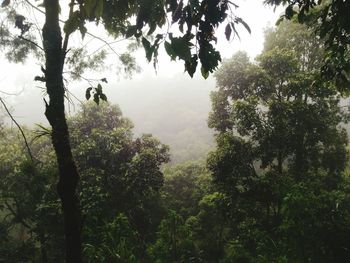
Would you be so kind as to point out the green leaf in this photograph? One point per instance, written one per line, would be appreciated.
(149, 53)
(191, 65)
(289, 12)
(169, 50)
(181, 47)
(99, 89)
(5, 3)
(88, 93)
(93, 8)
(99, 8)
(97, 98)
(146, 44)
(89, 7)
(209, 58)
(42, 131)
(130, 31)
(241, 21)
(228, 31)
(152, 28)
(301, 17)
(177, 13)
(72, 23)
(148, 48)
(103, 97)
(205, 73)
(82, 30)
(235, 30)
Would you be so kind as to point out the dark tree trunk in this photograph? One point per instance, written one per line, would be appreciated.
(55, 113)
(43, 251)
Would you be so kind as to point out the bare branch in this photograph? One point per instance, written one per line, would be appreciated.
(20, 129)
(106, 43)
(14, 214)
(30, 41)
(109, 44)
(35, 7)
(11, 94)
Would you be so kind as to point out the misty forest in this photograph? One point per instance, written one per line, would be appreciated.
(257, 173)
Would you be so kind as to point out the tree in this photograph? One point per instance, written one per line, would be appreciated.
(119, 187)
(174, 241)
(119, 173)
(126, 19)
(118, 244)
(29, 205)
(279, 131)
(330, 21)
(184, 186)
(302, 110)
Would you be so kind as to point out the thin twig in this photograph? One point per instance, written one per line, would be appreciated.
(20, 129)
(75, 97)
(88, 80)
(30, 41)
(105, 42)
(11, 94)
(15, 215)
(35, 7)
(88, 33)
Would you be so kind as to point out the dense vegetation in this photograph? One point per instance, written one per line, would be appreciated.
(275, 189)
(191, 40)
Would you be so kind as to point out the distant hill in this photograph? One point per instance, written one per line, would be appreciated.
(174, 109)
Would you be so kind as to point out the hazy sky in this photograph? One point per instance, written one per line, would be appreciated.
(28, 105)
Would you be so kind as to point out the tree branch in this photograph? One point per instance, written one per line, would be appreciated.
(66, 37)
(11, 94)
(20, 129)
(106, 43)
(35, 7)
(30, 41)
(14, 214)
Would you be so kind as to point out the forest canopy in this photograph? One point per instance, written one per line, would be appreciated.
(274, 189)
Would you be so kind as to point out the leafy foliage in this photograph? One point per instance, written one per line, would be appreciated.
(277, 193)
(17, 46)
(280, 152)
(119, 175)
(118, 243)
(184, 186)
(330, 21)
(191, 46)
(117, 170)
(126, 19)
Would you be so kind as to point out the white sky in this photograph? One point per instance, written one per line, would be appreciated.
(28, 106)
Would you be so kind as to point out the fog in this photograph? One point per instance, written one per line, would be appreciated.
(165, 102)
(174, 109)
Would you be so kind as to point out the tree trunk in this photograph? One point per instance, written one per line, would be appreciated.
(55, 114)
(43, 250)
